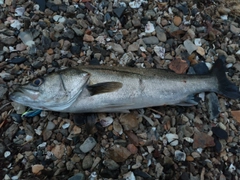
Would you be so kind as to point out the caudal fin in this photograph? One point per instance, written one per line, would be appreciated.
(225, 87)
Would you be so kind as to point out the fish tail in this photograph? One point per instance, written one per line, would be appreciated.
(225, 87)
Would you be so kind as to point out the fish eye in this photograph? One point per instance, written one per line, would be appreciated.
(37, 82)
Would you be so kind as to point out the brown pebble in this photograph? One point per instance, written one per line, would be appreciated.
(178, 65)
(190, 158)
(88, 38)
(36, 169)
(177, 20)
(50, 51)
(133, 149)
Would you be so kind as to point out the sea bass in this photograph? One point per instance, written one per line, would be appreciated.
(119, 89)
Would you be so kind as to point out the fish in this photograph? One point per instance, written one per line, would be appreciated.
(92, 89)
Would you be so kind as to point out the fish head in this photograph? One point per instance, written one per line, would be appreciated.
(56, 91)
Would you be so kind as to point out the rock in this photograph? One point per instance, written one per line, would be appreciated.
(220, 133)
(129, 121)
(78, 176)
(59, 18)
(87, 162)
(172, 139)
(160, 51)
(58, 151)
(231, 59)
(111, 164)
(136, 22)
(177, 20)
(161, 35)
(8, 40)
(236, 115)
(234, 29)
(179, 155)
(133, 149)
(3, 90)
(201, 68)
(106, 121)
(117, 127)
(88, 38)
(189, 46)
(37, 168)
(178, 65)
(10, 132)
(200, 51)
(202, 140)
(129, 175)
(133, 47)
(149, 28)
(190, 158)
(213, 105)
(88, 145)
(126, 58)
(119, 11)
(116, 47)
(151, 40)
(118, 153)
(132, 138)
(59, 27)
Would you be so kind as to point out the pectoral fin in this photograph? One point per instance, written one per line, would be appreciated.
(104, 87)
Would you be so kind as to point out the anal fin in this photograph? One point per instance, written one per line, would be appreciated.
(189, 101)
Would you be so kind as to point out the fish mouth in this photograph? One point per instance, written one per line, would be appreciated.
(22, 94)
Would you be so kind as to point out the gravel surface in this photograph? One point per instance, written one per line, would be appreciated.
(171, 142)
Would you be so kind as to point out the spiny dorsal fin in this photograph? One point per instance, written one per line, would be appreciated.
(104, 87)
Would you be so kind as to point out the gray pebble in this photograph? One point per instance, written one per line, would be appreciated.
(151, 40)
(88, 144)
(87, 162)
(213, 105)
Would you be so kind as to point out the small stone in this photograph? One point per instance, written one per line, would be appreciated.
(58, 151)
(106, 121)
(179, 155)
(116, 47)
(202, 140)
(129, 175)
(201, 68)
(59, 18)
(88, 145)
(111, 164)
(231, 59)
(126, 58)
(132, 138)
(160, 51)
(151, 40)
(59, 27)
(87, 162)
(149, 28)
(117, 127)
(234, 29)
(200, 51)
(190, 158)
(10, 132)
(133, 149)
(189, 46)
(118, 153)
(37, 168)
(177, 20)
(236, 115)
(20, 47)
(220, 133)
(88, 38)
(161, 35)
(119, 11)
(213, 105)
(129, 121)
(172, 139)
(8, 40)
(195, 155)
(133, 47)
(136, 22)
(178, 65)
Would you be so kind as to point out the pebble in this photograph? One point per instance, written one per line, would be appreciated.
(88, 38)
(202, 140)
(179, 155)
(58, 151)
(151, 40)
(177, 20)
(129, 121)
(111, 164)
(88, 145)
(172, 139)
(133, 149)
(161, 35)
(190, 46)
(236, 115)
(37, 168)
(118, 153)
(87, 162)
(213, 105)
(116, 47)
(178, 65)
(129, 175)
(220, 133)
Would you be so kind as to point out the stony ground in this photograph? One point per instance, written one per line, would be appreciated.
(170, 142)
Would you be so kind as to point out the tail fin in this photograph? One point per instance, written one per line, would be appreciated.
(225, 87)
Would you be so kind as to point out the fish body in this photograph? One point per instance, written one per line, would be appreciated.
(119, 89)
